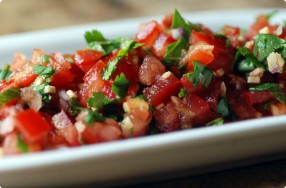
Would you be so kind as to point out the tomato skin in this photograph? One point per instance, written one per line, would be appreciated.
(32, 125)
(26, 81)
(148, 33)
(257, 97)
(167, 21)
(190, 87)
(162, 89)
(212, 94)
(260, 23)
(233, 34)
(85, 59)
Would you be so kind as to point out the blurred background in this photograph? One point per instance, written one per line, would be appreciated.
(21, 16)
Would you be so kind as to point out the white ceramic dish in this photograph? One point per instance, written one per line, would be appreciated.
(194, 151)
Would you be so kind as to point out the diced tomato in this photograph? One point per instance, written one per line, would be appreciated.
(260, 23)
(62, 78)
(212, 94)
(26, 81)
(190, 87)
(160, 45)
(223, 54)
(149, 69)
(93, 82)
(163, 88)
(5, 84)
(32, 125)
(257, 97)
(167, 118)
(233, 34)
(85, 59)
(167, 21)
(148, 33)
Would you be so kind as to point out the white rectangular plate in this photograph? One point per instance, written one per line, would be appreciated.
(194, 150)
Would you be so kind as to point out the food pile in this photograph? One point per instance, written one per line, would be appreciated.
(172, 75)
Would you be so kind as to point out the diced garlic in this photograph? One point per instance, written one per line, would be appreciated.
(166, 75)
(279, 30)
(257, 72)
(222, 89)
(39, 81)
(253, 80)
(49, 89)
(219, 72)
(71, 94)
(264, 30)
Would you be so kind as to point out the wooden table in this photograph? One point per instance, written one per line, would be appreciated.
(21, 16)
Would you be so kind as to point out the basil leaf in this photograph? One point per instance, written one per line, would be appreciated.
(264, 44)
(120, 85)
(174, 52)
(9, 94)
(5, 72)
(21, 144)
(43, 70)
(217, 121)
(93, 116)
(127, 45)
(222, 107)
(273, 88)
(98, 100)
(201, 75)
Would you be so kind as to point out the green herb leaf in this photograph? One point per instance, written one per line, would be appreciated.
(43, 70)
(21, 144)
(222, 107)
(264, 44)
(120, 85)
(273, 88)
(93, 116)
(45, 58)
(5, 72)
(174, 52)
(93, 36)
(8, 95)
(127, 45)
(271, 14)
(74, 106)
(201, 75)
(182, 93)
(217, 121)
(106, 46)
(98, 100)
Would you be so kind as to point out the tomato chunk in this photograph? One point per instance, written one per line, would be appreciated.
(148, 33)
(85, 59)
(32, 125)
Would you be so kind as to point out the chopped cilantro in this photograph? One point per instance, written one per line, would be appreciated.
(182, 93)
(217, 121)
(264, 44)
(40, 88)
(222, 107)
(5, 72)
(74, 106)
(21, 144)
(127, 45)
(8, 95)
(43, 70)
(201, 75)
(93, 36)
(98, 100)
(120, 85)
(174, 52)
(273, 88)
(93, 116)
(45, 58)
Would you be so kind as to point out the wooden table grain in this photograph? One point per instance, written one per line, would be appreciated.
(18, 16)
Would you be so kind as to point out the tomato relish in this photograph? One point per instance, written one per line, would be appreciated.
(172, 75)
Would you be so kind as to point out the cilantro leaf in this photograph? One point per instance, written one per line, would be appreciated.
(182, 93)
(271, 14)
(43, 70)
(264, 44)
(120, 85)
(217, 121)
(180, 22)
(21, 144)
(8, 95)
(45, 58)
(98, 100)
(127, 45)
(74, 106)
(92, 36)
(222, 107)
(273, 88)
(40, 88)
(5, 72)
(245, 61)
(201, 75)
(93, 116)
(174, 52)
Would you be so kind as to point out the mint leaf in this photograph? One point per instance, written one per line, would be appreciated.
(5, 72)
(201, 75)
(120, 85)
(9, 94)
(174, 52)
(222, 107)
(264, 44)
(93, 116)
(98, 100)
(21, 144)
(43, 70)
(127, 45)
(273, 88)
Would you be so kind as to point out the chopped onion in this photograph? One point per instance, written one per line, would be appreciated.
(32, 98)
(177, 33)
(7, 125)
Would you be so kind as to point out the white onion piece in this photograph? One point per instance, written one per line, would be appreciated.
(177, 33)
(61, 120)
(7, 125)
(32, 98)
